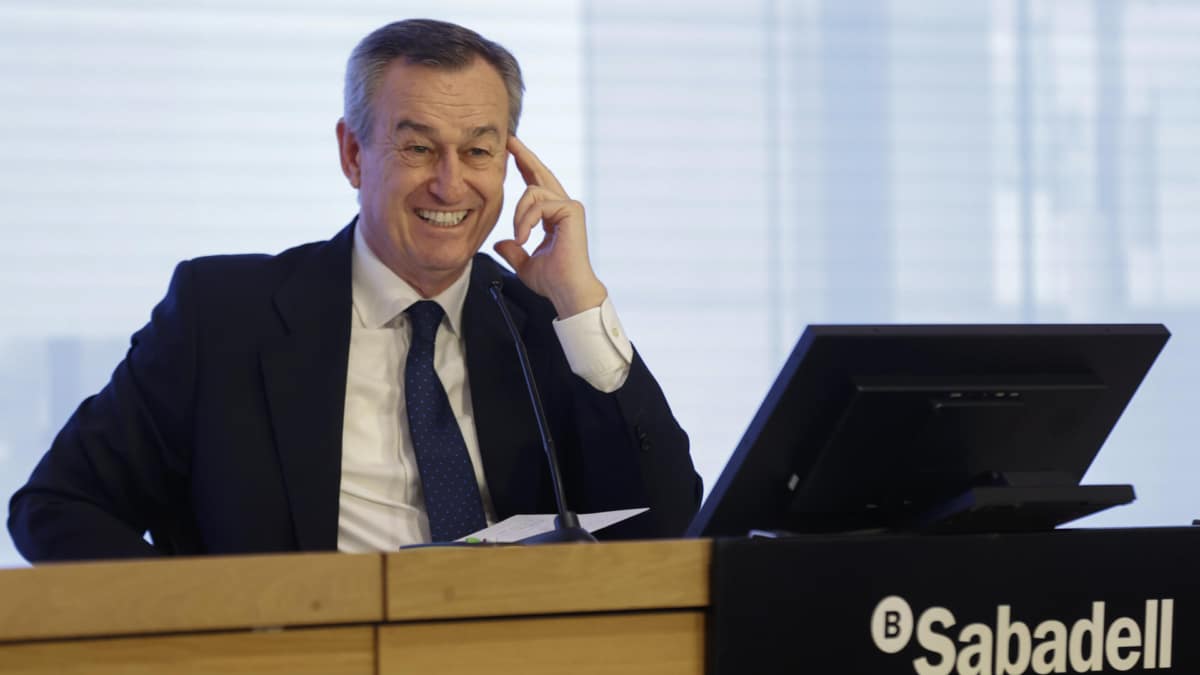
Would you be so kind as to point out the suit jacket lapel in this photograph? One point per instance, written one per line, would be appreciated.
(304, 375)
(504, 423)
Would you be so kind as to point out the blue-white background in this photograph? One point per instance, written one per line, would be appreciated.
(748, 168)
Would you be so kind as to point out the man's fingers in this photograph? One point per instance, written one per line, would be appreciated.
(521, 155)
(532, 169)
(512, 253)
(524, 225)
(535, 205)
(537, 211)
(527, 202)
(553, 212)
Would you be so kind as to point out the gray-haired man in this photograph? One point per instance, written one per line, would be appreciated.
(362, 393)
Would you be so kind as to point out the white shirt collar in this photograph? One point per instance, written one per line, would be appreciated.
(379, 295)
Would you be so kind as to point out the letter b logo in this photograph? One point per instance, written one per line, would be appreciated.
(892, 624)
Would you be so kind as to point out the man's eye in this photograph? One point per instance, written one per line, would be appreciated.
(418, 149)
(479, 152)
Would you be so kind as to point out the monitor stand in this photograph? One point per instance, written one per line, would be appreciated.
(1020, 502)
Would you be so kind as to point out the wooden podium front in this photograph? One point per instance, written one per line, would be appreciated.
(635, 607)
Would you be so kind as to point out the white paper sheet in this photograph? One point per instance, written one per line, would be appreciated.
(521, 526)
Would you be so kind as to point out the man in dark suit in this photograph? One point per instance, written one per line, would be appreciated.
(363, 393)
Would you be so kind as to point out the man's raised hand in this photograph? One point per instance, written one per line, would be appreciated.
(559, 268)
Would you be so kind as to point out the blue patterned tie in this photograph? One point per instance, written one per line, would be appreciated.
(451, 492)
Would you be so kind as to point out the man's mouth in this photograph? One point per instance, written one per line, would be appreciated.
(442, 218)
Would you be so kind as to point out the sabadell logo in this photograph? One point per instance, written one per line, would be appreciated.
(1011, 647)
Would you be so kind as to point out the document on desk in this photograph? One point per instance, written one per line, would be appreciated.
(520, 526)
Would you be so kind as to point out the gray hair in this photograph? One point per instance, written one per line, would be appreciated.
(437, 44)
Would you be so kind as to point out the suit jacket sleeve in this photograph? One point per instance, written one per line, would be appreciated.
(632, 433)
(113, 471)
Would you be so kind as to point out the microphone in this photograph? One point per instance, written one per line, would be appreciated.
(566, 524)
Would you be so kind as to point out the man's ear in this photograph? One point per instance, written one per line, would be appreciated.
(349, 149)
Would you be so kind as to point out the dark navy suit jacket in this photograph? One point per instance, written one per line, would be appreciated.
(221, 430)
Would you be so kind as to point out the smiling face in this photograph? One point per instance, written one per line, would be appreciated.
(430, 178)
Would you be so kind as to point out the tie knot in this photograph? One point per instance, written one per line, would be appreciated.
(425, 315)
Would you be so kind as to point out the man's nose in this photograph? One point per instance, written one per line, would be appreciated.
(447, 184)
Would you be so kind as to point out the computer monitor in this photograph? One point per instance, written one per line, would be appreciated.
(941, 427)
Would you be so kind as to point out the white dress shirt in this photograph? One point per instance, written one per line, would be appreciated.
(381, 505)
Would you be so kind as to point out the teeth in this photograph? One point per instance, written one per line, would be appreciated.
(447, 218)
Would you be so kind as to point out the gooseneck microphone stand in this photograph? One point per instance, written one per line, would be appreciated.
(566, 524)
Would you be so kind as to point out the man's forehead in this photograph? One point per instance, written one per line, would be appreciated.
(470, 102)
(407, 124)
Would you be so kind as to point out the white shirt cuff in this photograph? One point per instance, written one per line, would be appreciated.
(596, 346)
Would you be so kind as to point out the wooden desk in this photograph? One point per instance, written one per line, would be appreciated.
(607, 608)
(603, 608)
